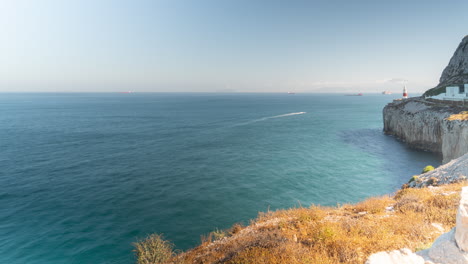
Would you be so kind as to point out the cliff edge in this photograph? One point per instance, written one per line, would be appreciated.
(428, 125)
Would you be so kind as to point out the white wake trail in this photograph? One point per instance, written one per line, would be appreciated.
(270, 117)
(290, 114)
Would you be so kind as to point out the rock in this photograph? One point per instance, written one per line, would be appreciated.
(454, 171)
(456, 71)
(423, 125)
(395, 257)
(455, 139)
(449, 248)
(461, 233)
(438, 226)
(445, 250)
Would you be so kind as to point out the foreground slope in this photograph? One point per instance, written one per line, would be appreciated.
(412, 218)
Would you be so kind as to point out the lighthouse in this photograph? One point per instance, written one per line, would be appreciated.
(405, 92)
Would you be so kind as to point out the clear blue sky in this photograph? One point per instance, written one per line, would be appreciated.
(221, 45)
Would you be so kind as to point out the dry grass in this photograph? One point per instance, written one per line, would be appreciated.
(461, 116)
(344, 234)
(152, 250)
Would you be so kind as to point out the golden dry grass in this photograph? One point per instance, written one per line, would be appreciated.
(461, 116)
(344, 234)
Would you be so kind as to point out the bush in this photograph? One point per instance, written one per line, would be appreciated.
(414, 178)
(236, 228)
(435, 91)
(153, 250)
(427, 169)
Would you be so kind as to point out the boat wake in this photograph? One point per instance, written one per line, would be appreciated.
(270, 117)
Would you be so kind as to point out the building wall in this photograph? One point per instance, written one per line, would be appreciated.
(453, 93)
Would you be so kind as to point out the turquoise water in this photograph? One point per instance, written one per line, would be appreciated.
(84, 175)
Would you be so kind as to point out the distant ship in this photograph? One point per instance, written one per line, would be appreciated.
(358, 94)
(291, 93)
(386, 92)
(127, 92)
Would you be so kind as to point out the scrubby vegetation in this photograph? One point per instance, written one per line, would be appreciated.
(427, 169)
(153, 249)
(463, 115)
(435, 91)
(415, 178)
(412, 218)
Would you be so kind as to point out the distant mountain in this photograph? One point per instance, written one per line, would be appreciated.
(456, 72)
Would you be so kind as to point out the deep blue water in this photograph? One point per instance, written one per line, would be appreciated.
(83, 176)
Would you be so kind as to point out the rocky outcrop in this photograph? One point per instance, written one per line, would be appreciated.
(461, 234)
(452, 172)
(396, 256)
(456, 71)
(452, 247)
(423, 125)
(449, 248)
(454, 139)
(445, 251)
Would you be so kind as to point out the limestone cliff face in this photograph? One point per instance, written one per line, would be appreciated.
(454, 139)
(424, 125)
(456, 71)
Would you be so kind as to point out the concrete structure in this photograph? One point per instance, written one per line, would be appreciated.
(453, 93)
(405, 92)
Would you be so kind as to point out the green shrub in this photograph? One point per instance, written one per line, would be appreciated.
(414, 178)
(427, 169)
(435, 91)
(153, 250)
(218, 234)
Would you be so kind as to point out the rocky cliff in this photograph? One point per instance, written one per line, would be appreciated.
(456, 71)
(428, 126)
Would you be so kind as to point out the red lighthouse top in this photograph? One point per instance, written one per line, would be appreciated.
(405, 92)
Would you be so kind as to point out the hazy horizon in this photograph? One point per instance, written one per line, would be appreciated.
(227, 46)
(198, 92)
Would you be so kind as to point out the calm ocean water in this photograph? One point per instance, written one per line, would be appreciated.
(83, 176)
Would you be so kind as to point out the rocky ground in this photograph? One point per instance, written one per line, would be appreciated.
(449, 248)
(454, 171)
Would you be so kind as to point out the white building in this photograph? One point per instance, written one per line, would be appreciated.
(453, 93)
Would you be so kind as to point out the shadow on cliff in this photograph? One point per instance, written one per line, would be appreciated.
(395, 155)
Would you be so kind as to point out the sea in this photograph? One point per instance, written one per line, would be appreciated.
(85, 175)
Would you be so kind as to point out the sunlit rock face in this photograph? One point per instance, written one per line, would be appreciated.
(461, 234)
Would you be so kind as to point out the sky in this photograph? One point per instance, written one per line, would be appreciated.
(227, 45)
